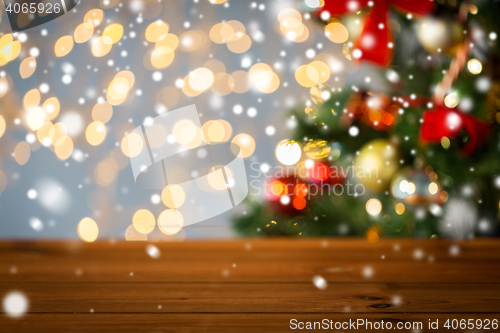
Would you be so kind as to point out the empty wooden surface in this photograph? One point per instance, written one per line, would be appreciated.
(247, 285)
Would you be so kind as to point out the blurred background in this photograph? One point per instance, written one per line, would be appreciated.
(311, 84)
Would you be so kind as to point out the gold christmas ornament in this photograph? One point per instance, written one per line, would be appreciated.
(376, 164)
(317, 149)
(416, 187)
(440, 35)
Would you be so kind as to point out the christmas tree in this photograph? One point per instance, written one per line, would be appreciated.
(417, 155)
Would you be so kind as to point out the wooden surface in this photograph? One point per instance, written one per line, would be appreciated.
(247, 285)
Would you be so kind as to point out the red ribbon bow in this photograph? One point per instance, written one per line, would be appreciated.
(375, 42)
(448, 122)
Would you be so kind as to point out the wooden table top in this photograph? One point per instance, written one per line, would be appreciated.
(247, 285)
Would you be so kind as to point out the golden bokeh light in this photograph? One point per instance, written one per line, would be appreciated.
(132, 145)
(187, 133)
(216, 178)
(51, 107)
(4, 86)
(162, 57)
(83, 32)
(31, 99)
(156, 30)
(223, 84)
(63, 46)
(57, 134)
(216, 66)
(43, 133)
(191, 41)
(214, 131)
(95, 133)
(131, 234)
(101, 46)
(201, 79)
(289, 13)
(105, 172)
(219, 32)
(113, 31)
(246, 144)
(36, 118)
(64, 147)
(291, 25)
(127, 75)
(400, 208)
(27, 67)
(188, 90)
(2, 125)
(144, 221)
(173, 196)
(336, 32)
(170, 40)
(9, 49)
(170, 222)
(373, 207)
(451, 100)
(315, 73)
(94, 17)
(88, 230)
(239, 45)
(261, 73)
(474, 66)
(22, 153)
(263, 78)
(102, 112)
(433, 188)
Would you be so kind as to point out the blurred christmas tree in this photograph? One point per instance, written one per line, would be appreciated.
(419, 156)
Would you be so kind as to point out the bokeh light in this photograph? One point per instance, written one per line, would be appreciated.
(88, 230)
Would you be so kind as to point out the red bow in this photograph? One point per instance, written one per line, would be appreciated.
(448, 122)
(375, 42)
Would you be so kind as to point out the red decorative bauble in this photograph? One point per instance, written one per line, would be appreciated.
(376, 43)
(445, 122)
(325, 173)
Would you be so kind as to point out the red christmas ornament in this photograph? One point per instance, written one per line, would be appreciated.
(325, 173)
(375, 43)
(446, 122)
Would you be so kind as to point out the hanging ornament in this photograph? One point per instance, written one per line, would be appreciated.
(288, 152)
(375, 110)
(375, 42)
(324, 172)
(287, 195)
(317, 149)
(416, 187)
(447, 123)
(440, 34)
(376, 163)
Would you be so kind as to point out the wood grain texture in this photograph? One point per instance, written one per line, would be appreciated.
(246, 285)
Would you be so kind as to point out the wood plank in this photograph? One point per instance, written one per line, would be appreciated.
(261, 297)
(265, 261)
(203, 322)
(246, 285)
